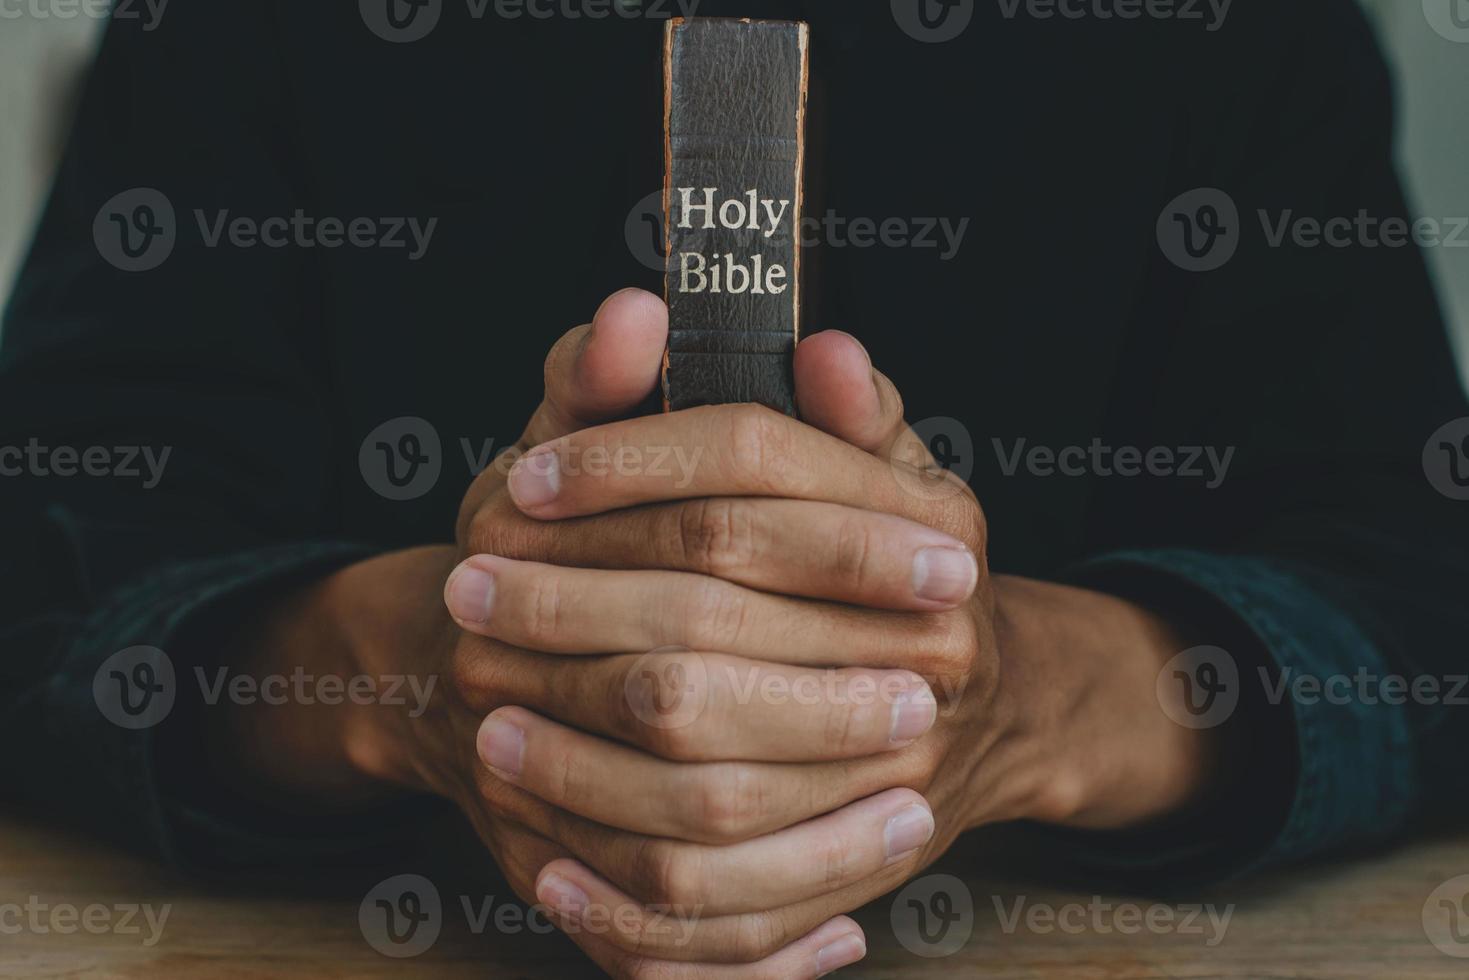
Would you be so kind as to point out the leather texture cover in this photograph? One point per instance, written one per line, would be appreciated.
(735, 107)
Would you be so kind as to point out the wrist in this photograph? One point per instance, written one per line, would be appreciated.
(388, 622)
(333, 743)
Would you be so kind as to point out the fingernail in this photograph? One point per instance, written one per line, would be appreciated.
(535, 479)
(843, 952)
(501, 745)
(557, 893)
(469, 594)
(914, 712)
(907, 830)
(944, 574)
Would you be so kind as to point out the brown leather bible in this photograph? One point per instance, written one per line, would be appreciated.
(734, 121)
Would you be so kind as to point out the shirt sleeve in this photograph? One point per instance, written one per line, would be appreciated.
(162, 401)
(1331, 561)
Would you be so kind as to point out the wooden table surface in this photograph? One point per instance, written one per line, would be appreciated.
(1397, 913)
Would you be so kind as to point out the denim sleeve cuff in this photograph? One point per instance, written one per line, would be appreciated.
(1309, 772)
(116, 704)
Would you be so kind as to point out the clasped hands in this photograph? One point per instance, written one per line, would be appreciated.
(717, 677)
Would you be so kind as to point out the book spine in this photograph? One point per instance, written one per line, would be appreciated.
(734, 122)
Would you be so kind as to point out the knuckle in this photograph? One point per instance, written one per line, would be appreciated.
(660, 698)
(760, 446)
(645, 968)
(945, 645)
(964, 519)
(842, 730)
(474, 676)
(727, 803)
(758, 935)
(836, 862)
(486, 526)
(672, 874)
(543, 609)
(853, 555)
(676, 743)
(716, 614)
(717, 535)
(568, 781)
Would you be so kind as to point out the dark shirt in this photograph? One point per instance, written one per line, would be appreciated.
(1058, 319)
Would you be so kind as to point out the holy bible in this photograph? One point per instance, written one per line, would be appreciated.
(734, 121)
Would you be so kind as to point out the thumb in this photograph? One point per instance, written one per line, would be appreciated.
(602, 370)
(839, 392)
(595, 373)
